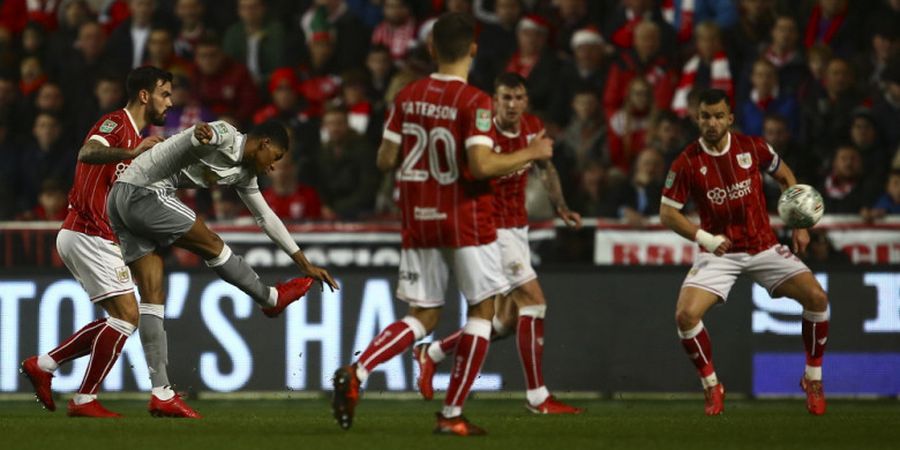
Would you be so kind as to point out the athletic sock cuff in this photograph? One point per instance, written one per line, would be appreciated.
(221, 259)
(692, 333)
(814, 316)
(536, 311)
(478, 327)
(499, 329)
(153, 310)
(120, 325)
(418, 329)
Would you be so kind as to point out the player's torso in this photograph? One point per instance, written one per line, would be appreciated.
(729, 195)
(441, 203)
(509, 190)
(87, 198)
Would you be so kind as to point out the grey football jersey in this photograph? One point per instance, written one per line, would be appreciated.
(178, 163)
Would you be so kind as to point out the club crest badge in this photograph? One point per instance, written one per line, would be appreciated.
(744, 160)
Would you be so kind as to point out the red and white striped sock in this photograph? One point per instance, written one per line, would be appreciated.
(815, 335)
(105, 350)
(392, 341)
(699, 348)
(438, 350)
(75, 346)
(530, 342)
(470, 354)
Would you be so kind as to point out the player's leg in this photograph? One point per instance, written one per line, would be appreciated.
(203, 242)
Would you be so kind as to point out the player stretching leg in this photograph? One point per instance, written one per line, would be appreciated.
(441, 130)
(523, 309)
(87, 246)
(721, 173)
(146, 215)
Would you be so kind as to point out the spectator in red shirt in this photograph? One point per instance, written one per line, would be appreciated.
(643, 60)
(535, 61)
(318, 82)
(290, 199)
(161, 53)
(191, 27)
(51, 202)
(709, 68)
(397, 31)
(225, 86)
(628, 127)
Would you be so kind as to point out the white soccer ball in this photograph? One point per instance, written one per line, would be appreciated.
(800, 206)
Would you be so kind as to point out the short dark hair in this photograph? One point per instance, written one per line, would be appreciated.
(275, 131)
(775, 117)
(510, 80)
(713, 97)
(145, 79)
(453, 34)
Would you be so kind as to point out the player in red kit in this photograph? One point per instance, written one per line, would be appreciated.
(722, 174)
(523, 309)
(440, 138)
(88, 246)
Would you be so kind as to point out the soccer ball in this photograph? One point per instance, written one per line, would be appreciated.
(800, 206)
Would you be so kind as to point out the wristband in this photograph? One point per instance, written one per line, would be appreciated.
(708, 241)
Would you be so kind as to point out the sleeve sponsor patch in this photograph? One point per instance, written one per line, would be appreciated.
(483, 120)
(670, 179)
(108, 126)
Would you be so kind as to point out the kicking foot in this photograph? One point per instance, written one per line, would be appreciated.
(40, 380)
(288, 292)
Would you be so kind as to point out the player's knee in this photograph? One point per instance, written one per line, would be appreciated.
(686, 319)
(817, 299)
(130, 315)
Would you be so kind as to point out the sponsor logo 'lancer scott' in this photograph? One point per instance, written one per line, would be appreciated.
(732, 192)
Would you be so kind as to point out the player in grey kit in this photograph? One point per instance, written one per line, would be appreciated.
(146, 215)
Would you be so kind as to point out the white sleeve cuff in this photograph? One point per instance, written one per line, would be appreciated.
(668, 201)
(100, 139)
(392, 136)
(480, 139)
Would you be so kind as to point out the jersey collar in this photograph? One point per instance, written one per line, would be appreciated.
(131, 119)
(445, 77)
(504, 132)
(712, 153)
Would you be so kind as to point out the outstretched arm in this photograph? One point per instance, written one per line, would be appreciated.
(388, 156)
(676, 221)
(785, 178)
(278, 233)
(95, 151)
(485, 163)
(550, 178)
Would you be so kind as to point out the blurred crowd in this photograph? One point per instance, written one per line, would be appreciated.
(613, 80)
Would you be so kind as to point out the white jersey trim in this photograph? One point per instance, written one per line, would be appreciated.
(100, 139)
(391, 136)
(668, 201)
(137, 131)
(479, 140)
(712, 153)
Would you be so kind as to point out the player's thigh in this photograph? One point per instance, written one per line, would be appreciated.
(96, 263)
(423, 277)
(478, 272)
(149, 217)
(714, 274)
(772, 268)
(515, 256)
(148, 271)
(200, 240)
(692, 305)
(804, 288)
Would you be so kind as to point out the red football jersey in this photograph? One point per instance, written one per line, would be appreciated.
(435, 119)
(727, 189)
(87, 199)
(302, 204)
(509, 190)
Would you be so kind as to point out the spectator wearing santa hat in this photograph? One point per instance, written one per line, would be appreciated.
(643, 60)
(535, 61)
(620, 26)
(587, 70)
(397, 31)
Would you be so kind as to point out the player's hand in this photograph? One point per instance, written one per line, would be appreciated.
(571, 218)
(542, 146)
(723, 247)
(319, 274)
(800, 239)
(203, 133)
(146, 144)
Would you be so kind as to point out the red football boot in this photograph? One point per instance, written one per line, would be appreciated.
(346, 395)
(815, 395)
(40, 380)
(427, 366)
(553, 406)
(715, 400)
(91, 409)
(457, 426)
(173, 407)
(288, 292)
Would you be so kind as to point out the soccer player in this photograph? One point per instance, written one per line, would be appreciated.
(722, 174)
(440, 138)
(145, 214)
(88, 247)
(523, 309)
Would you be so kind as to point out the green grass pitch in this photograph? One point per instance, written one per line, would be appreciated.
(393, 424)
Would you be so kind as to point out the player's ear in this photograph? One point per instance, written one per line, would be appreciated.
(473, 50)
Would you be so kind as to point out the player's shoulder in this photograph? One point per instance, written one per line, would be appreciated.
(691, 151)
(748, 141)
(532, 122)
(112, 120)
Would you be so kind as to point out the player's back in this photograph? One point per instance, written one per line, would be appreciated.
(509, 190)
(442, 204)
(87, 198)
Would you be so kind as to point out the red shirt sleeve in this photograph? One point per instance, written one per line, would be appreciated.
(109, 130)
(765, 154)
(677, 185)
(393, 127)
(477, 123)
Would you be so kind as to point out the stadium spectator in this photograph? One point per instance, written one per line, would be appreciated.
(351, 34)
(766, 98)
(683, 15)
(161, 53)
(31, 77)
(639, 197)
(222, 84)
(786, 55)
(496, 43)
(186, 110)
(587, 70)
(77, 70)
(593, 197)
(282, 88)
(835, 24)
(51, 202)
(778, 134)
(627, 128)
(397, 31)
(109, 95)
(621, 26)
(190, 26)
(291, 200)
(346, 179)
(827, 112)
(381, 70)
(585, 136)
(749, 36)
(256, 41)
(319, 82)
(643, 60)
(44, 157)
(666, 135)
(846, 190)
(359, 108)
(371, 13)
(570, 16)
(128, 41)
(889, 201)
(865, 136)
(15, 15)
(535, 61)
(71, 15)
(34, 43)
(886, 107)
(708, 68)
(884, 47)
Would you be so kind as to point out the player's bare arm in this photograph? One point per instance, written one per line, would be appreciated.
(203, 133)
(679, 223)
(94, 152)
(388, 156)
(485, 163)
(550, 178)
(785, 178)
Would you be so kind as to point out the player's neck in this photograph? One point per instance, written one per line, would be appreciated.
(137, 114)
(507, 127)
(719, 146)
(457, 69)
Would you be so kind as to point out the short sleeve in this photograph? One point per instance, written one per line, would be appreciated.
(394, 125)
(677, 185)
(478, 128)
(109, 131)
(767, 157)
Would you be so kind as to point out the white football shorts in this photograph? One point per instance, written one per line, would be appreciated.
(515, 256)
(768, 268)
(96, 263)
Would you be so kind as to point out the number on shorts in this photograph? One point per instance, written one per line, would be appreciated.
(429, 139)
